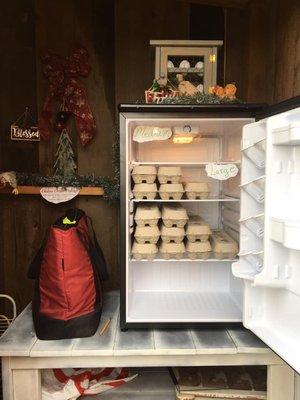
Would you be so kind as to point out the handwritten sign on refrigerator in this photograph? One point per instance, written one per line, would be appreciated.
(222, 172)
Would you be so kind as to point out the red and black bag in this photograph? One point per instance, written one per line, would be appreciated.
(68, 270)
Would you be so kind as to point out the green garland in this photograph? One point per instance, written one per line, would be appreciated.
(199, 98)
(111, 186)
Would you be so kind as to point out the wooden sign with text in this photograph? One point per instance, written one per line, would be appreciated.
(30, 134)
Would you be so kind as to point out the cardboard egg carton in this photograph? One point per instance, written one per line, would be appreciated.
(197, 229)
(198, 250)
(144, 173)
(147, 234)
(142, 251)
(172, 250)
(171, 191)
(223, 245)
(196, 190)
(174, 215)
(147, 215)
(169, 174)
(172, 234)
(145, 191)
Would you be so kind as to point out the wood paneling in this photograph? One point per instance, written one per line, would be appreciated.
(287, 50)
(262, 38)
(18, 88)
(136, 23)
(90, 24)
(269, 37)
(236, 34)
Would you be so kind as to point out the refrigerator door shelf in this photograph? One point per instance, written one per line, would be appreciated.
(288, 135)
(285, 232)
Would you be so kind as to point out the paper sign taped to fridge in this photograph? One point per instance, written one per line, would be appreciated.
(149, 133)
(59, 194)
(222, 172)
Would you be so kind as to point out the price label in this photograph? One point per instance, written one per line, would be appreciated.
(59, 194)
(143, 134)
(222, 172)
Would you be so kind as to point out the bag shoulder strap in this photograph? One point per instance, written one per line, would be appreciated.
(95, 252)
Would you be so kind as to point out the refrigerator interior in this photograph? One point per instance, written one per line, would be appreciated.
(269, 264)
(187, 290)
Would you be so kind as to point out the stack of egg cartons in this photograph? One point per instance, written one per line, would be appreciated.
(174, 218)
(223, 245)
(171, 187)
(144, 177)
(198, 233)
(146, 232)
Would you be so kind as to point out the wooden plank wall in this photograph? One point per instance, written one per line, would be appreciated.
(260, 58)
(58, 26)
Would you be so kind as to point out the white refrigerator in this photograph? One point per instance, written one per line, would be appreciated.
(258, 207)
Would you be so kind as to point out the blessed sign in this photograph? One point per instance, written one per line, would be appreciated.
(221, 172)
(30, 134)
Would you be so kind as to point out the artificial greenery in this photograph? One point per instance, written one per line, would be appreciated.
(111, 186)
(199, 98)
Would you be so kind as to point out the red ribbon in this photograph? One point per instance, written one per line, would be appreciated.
(65, 87)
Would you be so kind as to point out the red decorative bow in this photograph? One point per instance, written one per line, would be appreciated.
(65, 87)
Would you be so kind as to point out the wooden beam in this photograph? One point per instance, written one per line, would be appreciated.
(220, 3)
(35, 190)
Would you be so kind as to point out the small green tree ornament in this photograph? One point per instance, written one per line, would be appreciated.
(65, 159)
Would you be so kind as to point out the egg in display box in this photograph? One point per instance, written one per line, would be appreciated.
(223, 245)
(197, 229)
(147, 234)
(147, 215)
(145, 191)
(172, 250)
(196, 190)
(144, 251)
(198, 250)
(144, 173)
(184, 64)
(168, 174)
(173, 234)
(174, 215)
(171, 191)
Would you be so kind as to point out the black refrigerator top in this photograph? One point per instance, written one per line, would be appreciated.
(257, 110)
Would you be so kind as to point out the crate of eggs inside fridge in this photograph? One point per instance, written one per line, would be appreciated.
(169, 185)
(169, 231)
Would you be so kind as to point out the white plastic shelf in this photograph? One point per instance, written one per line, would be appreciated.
(186, 259)
(184, 307)
(185, 163)
(221, 199)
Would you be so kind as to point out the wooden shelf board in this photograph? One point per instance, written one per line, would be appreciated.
(35, 190)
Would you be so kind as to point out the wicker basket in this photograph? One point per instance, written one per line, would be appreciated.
(5, 321)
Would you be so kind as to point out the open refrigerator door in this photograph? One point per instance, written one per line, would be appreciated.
(269, 257)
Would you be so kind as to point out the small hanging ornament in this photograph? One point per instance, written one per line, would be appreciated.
(62, 116)
(24, 128)
(61, 119)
